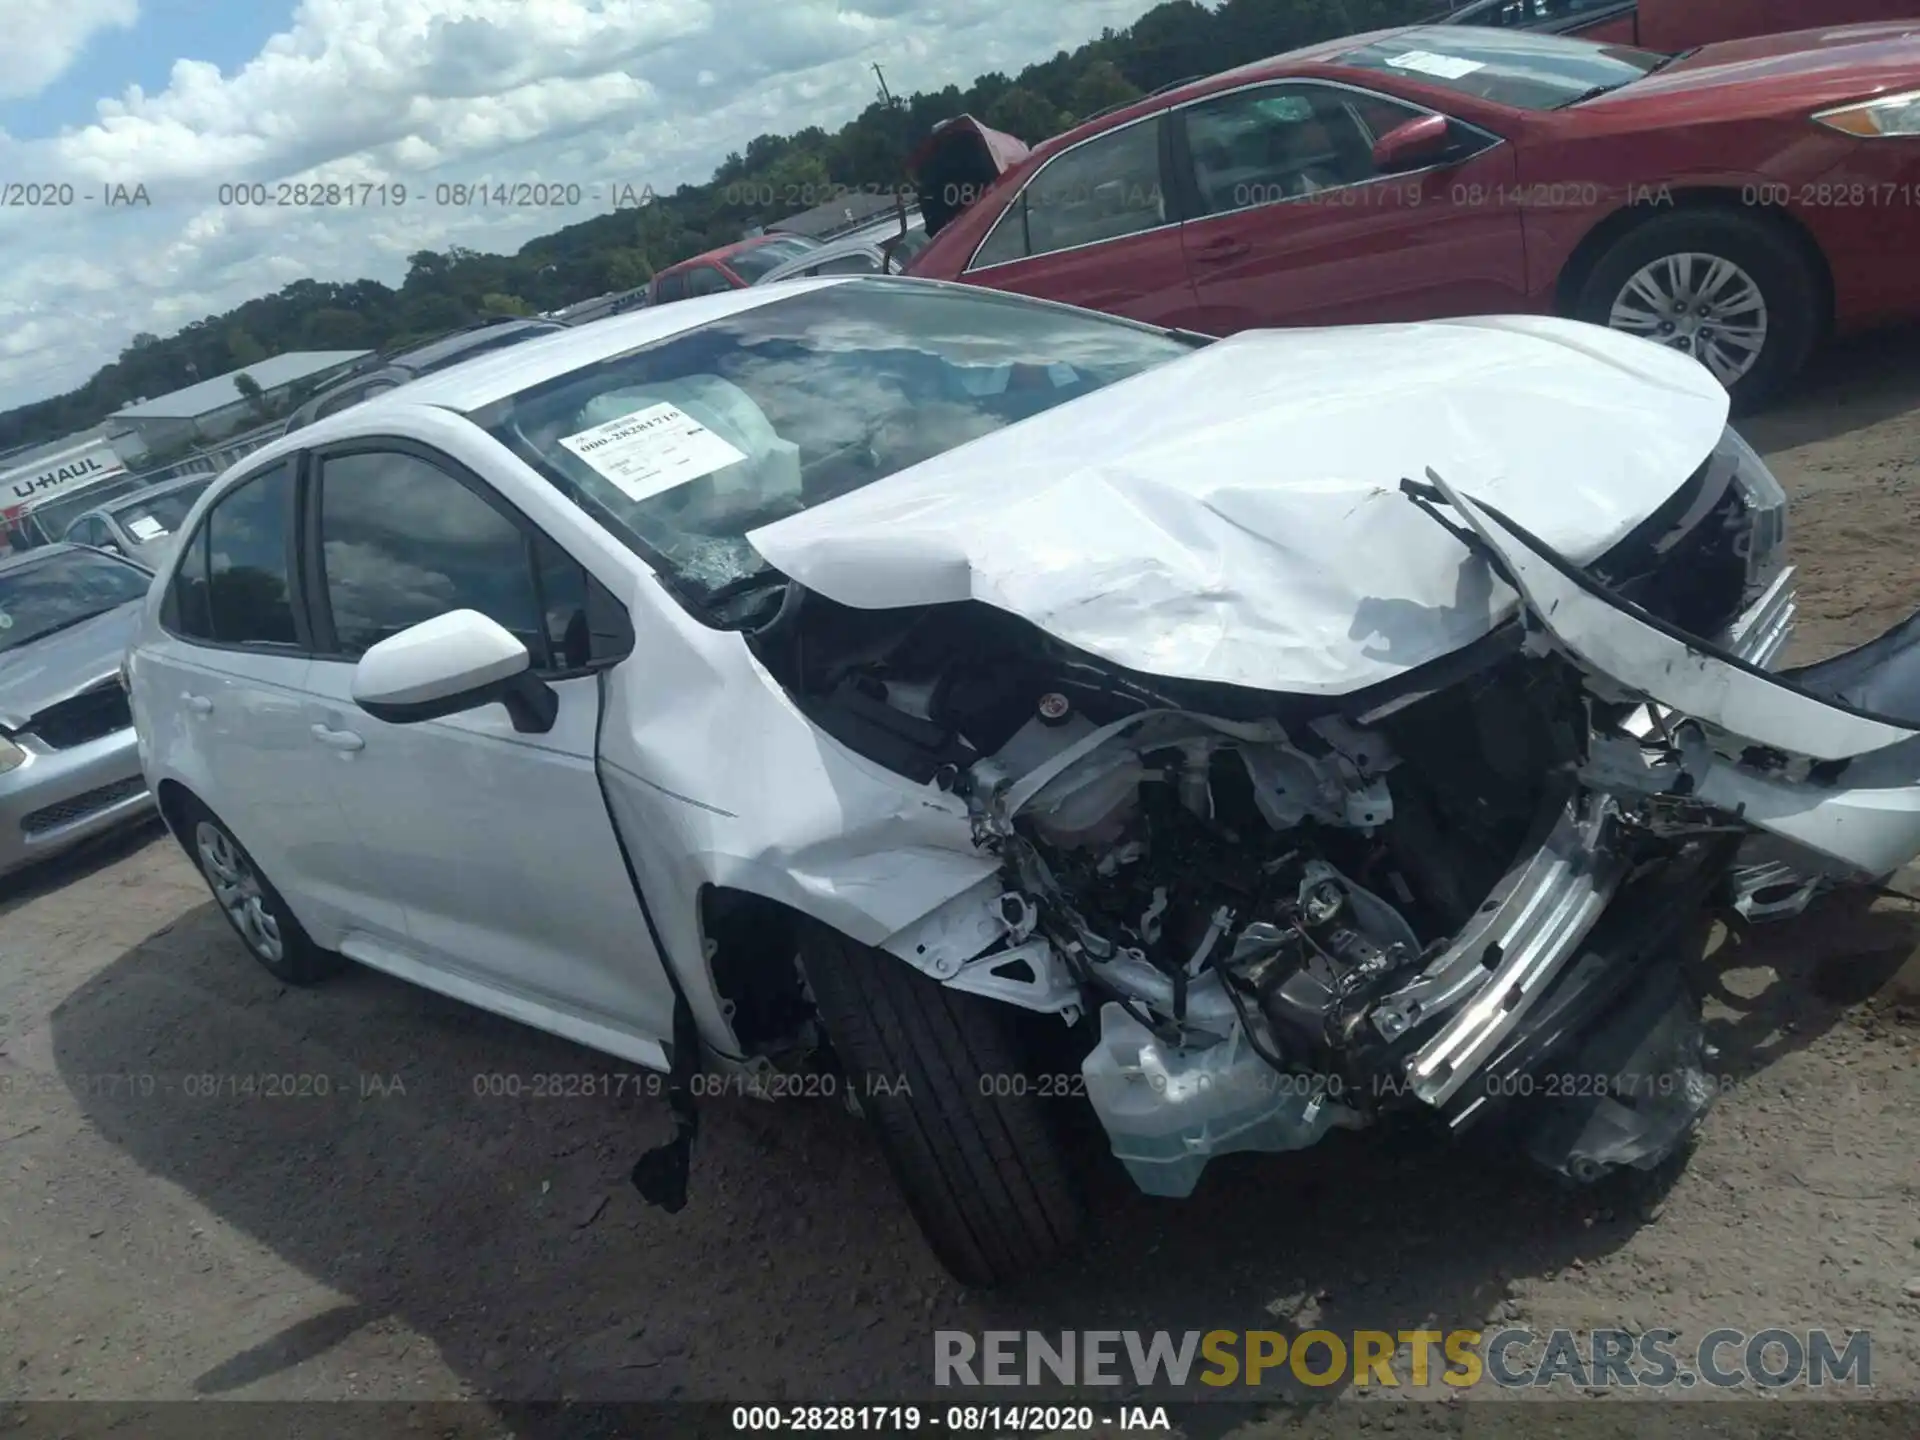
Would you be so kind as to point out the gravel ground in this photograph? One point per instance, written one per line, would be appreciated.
(405, 1238)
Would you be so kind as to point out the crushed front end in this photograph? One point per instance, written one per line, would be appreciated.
(1268, 915)
(1275, 920)
(1280, 932)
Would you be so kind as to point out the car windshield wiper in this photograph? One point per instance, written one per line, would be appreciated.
(1591, 93)
(1596, 91)
(56, 629)
(740, 585)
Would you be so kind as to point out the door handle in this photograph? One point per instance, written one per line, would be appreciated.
(1223, 249)
(198, 704)
(338, 739)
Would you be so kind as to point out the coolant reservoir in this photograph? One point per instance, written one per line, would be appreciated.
(1037, 742)
(1167, 1112)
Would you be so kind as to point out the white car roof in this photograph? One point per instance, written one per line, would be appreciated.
(500, 373)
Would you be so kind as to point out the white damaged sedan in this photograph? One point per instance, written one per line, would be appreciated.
(886, 689)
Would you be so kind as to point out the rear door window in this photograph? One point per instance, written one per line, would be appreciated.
(232, 584)
(706, 280)
(1105, 188)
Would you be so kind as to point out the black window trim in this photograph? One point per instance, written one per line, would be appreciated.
(1182, 153)
(1175, 210)
(313, 558)
(169, 615)
(1596, 16)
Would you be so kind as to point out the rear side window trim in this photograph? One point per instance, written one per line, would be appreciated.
(296, 592)
(1175, 215)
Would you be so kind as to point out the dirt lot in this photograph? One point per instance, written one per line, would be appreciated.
(406, 1238)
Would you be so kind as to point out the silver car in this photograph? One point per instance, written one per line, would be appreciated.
(872, 250)
(140, 525)
(69, 763)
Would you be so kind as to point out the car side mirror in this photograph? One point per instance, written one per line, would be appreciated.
(1422, 141)
(449, 664)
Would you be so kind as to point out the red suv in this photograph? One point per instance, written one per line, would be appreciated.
(730, 267)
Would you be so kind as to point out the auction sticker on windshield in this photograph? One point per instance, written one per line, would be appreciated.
(1447, 67)
(145, 527)
(652, 450)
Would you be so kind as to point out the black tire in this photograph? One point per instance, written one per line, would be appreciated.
(250, 903)
(1762, 249)
(981, 1173)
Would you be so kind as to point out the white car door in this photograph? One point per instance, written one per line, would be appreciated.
(222, 689)
(496, 843)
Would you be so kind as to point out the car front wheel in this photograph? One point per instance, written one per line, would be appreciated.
(252, 906)
(932, 1069)
(1729, 289)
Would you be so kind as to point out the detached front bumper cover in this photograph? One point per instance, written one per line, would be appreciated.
(1825, 759)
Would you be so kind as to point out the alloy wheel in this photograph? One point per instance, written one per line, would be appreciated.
(237, 890)
(1703, 305)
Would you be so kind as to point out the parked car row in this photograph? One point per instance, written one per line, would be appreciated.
(1671, 25)
(882, 247)
(393, 370)
(140, 524)
(1737, 202)
(69, 761)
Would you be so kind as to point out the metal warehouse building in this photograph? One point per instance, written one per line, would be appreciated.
(214, 409)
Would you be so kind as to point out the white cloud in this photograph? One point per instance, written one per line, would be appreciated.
(44, 37)
(594, 93)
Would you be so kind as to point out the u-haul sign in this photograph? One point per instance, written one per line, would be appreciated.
(30, 485)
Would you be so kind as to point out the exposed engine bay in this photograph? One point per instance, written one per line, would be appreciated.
(1272, 915)
(1264, 912)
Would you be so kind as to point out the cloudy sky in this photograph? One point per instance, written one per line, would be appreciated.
(101, 100)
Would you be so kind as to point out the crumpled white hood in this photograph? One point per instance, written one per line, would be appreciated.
(1236, 516)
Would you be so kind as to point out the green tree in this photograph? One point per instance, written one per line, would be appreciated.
(1025, 115)
(627, 270)
(251, 392)
(242, 348)
(1101, 86)
(497, 304)
(330, 328)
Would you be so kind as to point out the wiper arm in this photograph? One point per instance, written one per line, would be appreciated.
(1596, 91)
(1592, 93)
(743, 585)
(56, 629)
